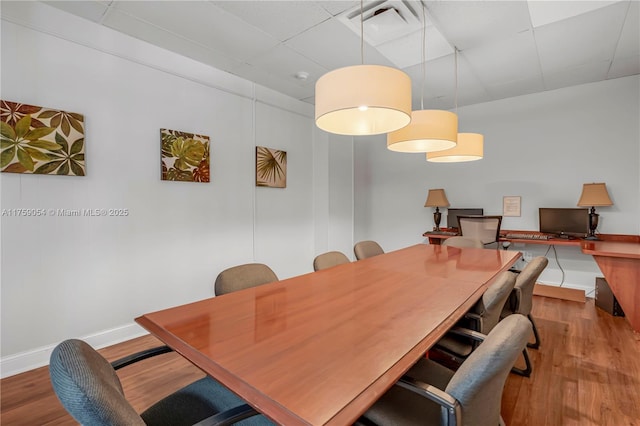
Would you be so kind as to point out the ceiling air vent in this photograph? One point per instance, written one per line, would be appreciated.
(383, 21)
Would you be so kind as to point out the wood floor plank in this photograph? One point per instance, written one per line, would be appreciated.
(586, 372)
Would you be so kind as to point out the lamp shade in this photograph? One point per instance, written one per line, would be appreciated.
(363, 100)
(436, 198)
(470, 147)
(430, 130)
(594, 194)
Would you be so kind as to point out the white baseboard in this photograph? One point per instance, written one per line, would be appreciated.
(35, 358)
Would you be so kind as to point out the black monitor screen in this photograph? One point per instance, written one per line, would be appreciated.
(452, 215)
(570, 221)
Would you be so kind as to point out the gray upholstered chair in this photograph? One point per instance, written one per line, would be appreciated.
(463, 242)
(483, 317)
(89, 389)
(243, 276)
(364, 249)
(430, 394)
(329, 260)
(483, 228)
(521, 299)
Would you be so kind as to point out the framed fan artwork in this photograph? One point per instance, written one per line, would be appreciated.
(271, 167)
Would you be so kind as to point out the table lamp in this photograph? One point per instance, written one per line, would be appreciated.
(594, 194)
(436, 198)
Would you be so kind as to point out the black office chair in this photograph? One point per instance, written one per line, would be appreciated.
(90, 390)
(243, 276)
(430, 394)
(483, 228)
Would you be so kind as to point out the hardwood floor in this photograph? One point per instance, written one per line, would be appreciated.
(586, 372)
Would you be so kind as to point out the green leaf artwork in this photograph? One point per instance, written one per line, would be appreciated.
(40, 140)
(271, 167)
(184, 156)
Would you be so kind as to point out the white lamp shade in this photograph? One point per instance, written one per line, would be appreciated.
(430, 130)
(470, 147)
(363, 100)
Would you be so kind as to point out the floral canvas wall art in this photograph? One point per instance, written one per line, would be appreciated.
(41, 140)
(271, 167)
(185, 156)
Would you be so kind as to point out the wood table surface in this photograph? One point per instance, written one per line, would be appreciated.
(320, 348)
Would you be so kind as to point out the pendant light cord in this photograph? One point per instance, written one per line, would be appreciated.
(361, 32)
(424, 55)
(455, 60)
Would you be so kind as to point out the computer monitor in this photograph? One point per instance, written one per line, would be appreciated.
(564, 221)
(452, 215)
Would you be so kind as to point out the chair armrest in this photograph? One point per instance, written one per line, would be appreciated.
(465, 332)
(450, 405)
(139, 356)
(476, 319)
(229, 417)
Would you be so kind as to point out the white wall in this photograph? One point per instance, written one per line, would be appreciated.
(542, 147)
(89, 277)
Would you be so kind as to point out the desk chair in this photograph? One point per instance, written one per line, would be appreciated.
(329, 260)
(482, 318)
(521, 299)
(243, 276)
(365, 249)
(89, 389)
(462, 242)
(430, 394)
(483, 228)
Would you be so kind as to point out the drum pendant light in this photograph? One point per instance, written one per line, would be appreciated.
(363, 99)
(429, 130)
(470, 146)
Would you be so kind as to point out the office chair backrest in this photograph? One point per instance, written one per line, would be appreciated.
(479, 382)
(484, 228)
(365, 249)
(243, 276)
(489, 307)
(525, 282)
(463, 242)
(329, 260)
(88, 386)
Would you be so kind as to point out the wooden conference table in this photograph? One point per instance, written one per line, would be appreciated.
(320, 348)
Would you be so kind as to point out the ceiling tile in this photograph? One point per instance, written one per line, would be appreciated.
(285, 62)
(573, 42)
(587, 73)
(547, 12)
(472, 23)
(336, 7)
(623, 67)
(508, 59)
(274, 17)
(92, 10)
(629, 42)
(159, 37)
(407, 51)
(203, 23)
(519, 87)
(333, 45)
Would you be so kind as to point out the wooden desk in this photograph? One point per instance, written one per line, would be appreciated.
(321, 348)
(617, 256)
(620, 263)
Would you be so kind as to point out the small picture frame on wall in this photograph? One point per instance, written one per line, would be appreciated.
(271, 167)
(511, 205)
